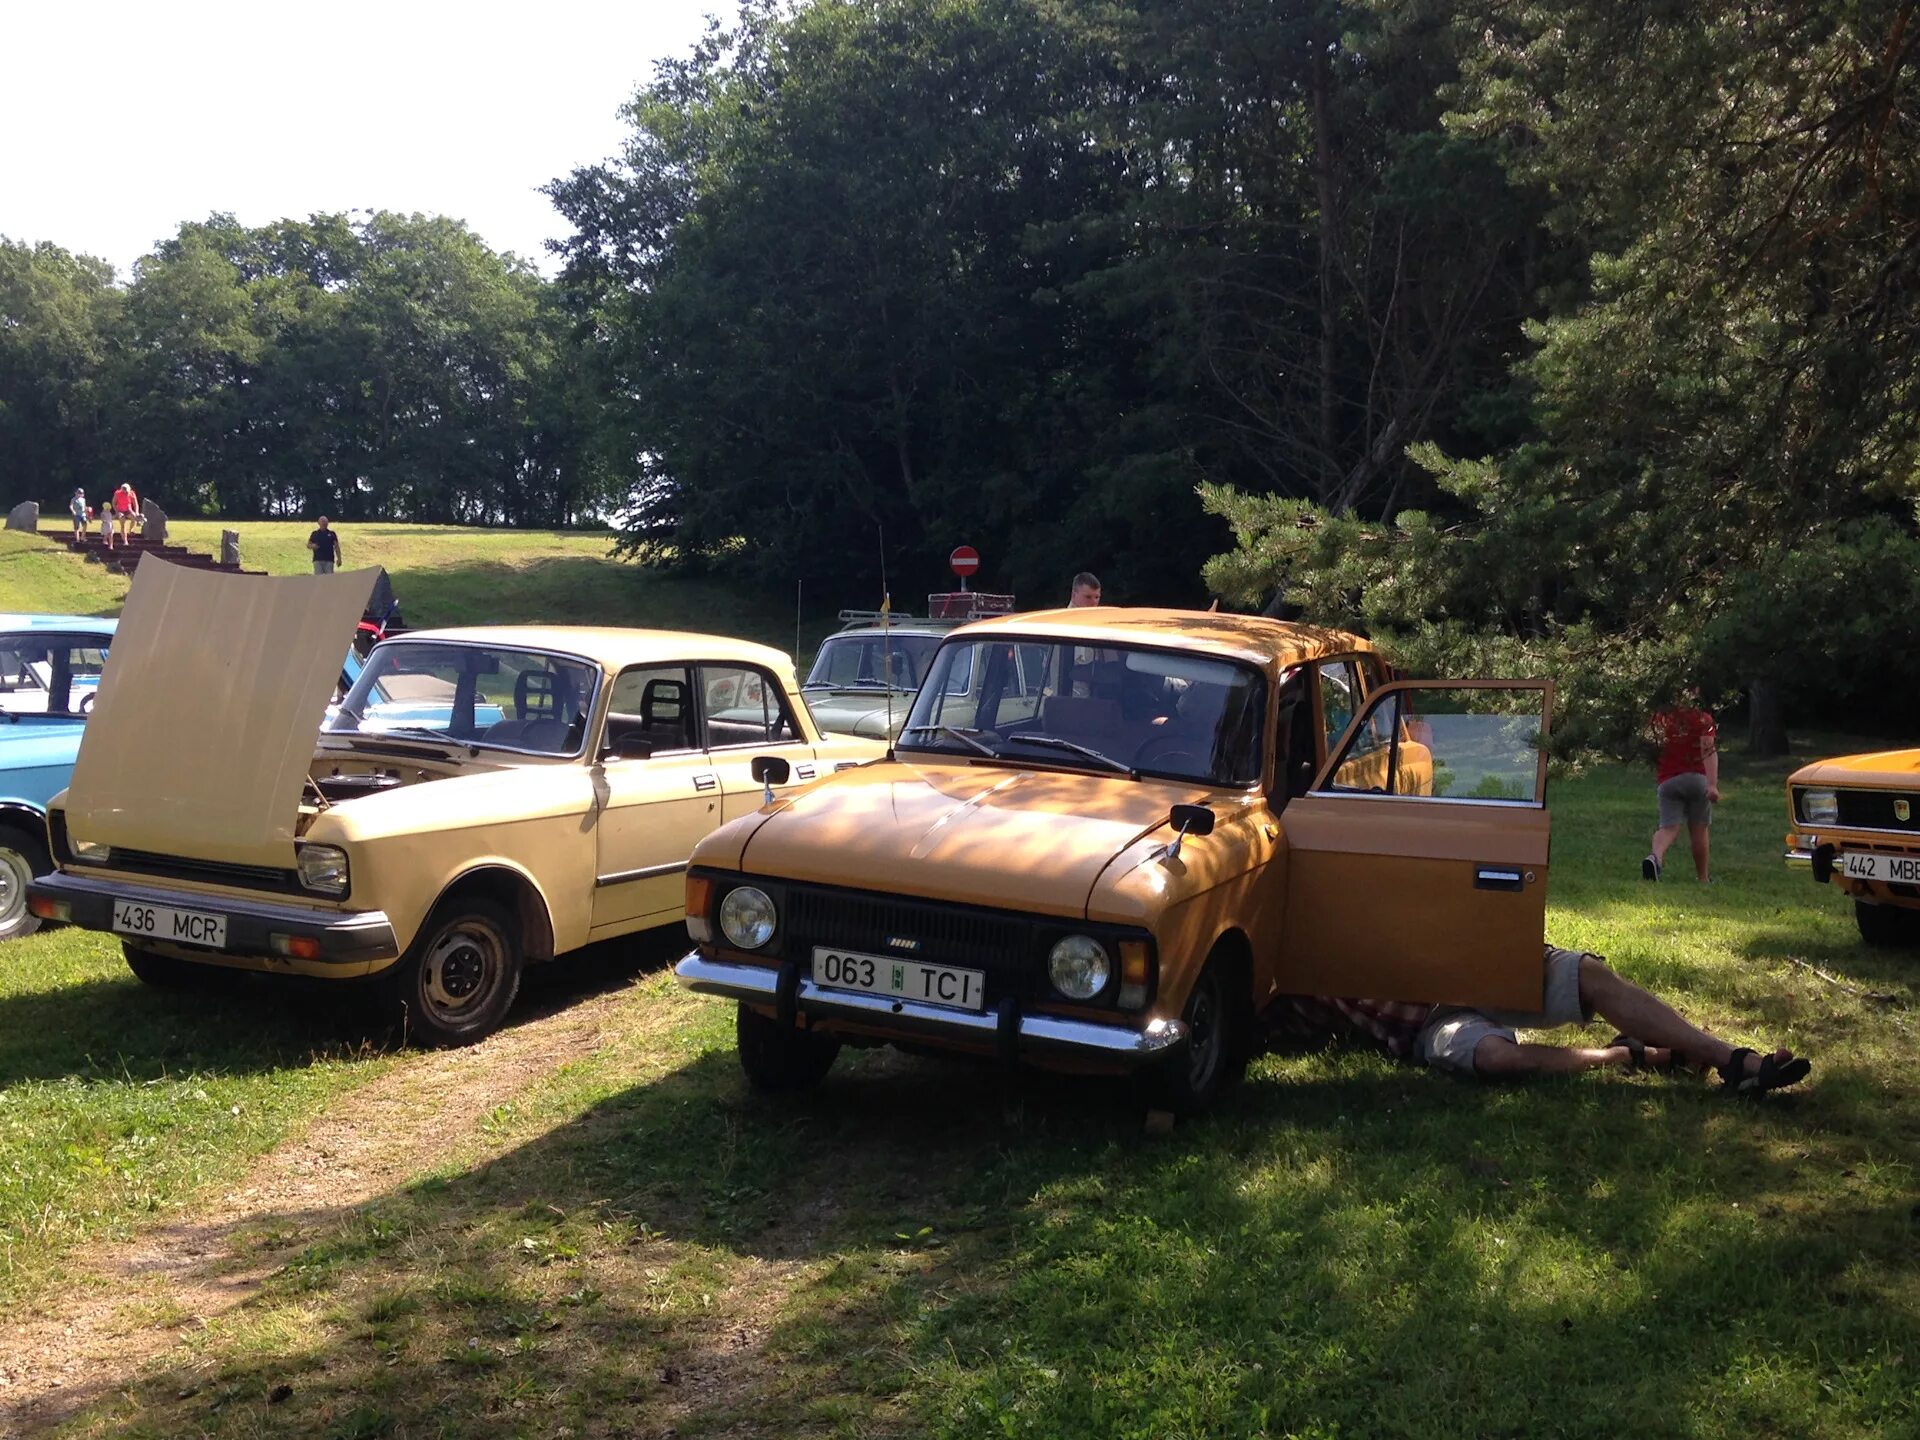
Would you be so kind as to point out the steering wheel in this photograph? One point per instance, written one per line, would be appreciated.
(86, 703)
(1158, 750)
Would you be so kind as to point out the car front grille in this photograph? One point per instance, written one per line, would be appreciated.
(1874, 809)
(1006, 947)
(211, 872)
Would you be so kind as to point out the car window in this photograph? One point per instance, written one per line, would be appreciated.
(50, 674)
(1465, 743)
(1159, 712)
(476, 694)
(743, 705)
(870, 660)
(1339, 694)
(653, 703)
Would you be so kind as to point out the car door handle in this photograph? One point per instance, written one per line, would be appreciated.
(1498, 877)
(707, 781)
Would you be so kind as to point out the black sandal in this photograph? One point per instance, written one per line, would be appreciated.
(1773, 1073)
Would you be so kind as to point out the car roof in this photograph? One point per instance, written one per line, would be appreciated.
(1250, 639)
(610, 646)
(85, 624)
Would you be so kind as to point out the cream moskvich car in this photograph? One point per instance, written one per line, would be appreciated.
(480, 799)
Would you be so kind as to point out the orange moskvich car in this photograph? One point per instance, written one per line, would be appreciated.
(1107, 839)
(1856, 823)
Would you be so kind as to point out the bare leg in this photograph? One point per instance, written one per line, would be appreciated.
(1697, 837)
(1662, 838)
(1651, 1020)
(1497, 1057)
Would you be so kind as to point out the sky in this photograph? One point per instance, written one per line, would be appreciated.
(118, 121)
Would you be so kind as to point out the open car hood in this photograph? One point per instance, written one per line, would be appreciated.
(202, 738)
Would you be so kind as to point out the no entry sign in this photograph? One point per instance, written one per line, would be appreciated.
(965, 561)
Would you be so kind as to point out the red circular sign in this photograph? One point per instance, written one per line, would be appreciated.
(964, 560)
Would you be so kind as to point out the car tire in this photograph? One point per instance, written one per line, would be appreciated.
(459, 978)
(23, 856)
(780, 1059)
(1214, 1058)
(1890, 925)
(163, 971)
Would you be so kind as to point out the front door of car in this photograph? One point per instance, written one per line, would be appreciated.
(658, 794)
(745, 712)
(1418, 861)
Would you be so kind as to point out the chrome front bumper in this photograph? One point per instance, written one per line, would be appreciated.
(1003, 1029)
(1799, 859)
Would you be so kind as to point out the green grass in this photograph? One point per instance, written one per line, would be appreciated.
(117, 1103)
(443, 575)
(1347, 1248)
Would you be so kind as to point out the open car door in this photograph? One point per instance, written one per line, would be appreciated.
(1418, 861)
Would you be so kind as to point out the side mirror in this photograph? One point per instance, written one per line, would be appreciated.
(770, 769)
(629, 747)
(1188, 820)
(1191, 819)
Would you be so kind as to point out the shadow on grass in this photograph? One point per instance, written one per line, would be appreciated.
(238, 1022)
(1345, 1248)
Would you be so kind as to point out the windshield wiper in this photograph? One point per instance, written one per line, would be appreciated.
(410, 732)
(1077, 748)
(963, 736)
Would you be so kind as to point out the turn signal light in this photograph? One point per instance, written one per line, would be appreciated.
(1136, 973)
(300, 947)
(47, 908)
(700, 908)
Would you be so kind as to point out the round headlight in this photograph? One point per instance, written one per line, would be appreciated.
(747, 917)
(1078, 967)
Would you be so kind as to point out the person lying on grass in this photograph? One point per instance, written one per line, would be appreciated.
(1579, 986)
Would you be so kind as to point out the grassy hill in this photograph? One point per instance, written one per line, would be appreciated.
(443, 575)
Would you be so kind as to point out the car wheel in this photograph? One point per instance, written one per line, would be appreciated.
(22, 856)
(778, 1058)
(163, 971)
(1215, 1055)
(1886, 924)
(459, 978)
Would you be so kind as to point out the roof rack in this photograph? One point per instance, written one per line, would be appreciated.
(967, 605)
(875, 617)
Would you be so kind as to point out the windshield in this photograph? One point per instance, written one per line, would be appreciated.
(472, 694)
(869, 661)
(1125, 708)
(50, 674)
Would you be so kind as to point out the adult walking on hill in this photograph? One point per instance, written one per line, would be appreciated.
(324, 543)
(126, 505)
(1687, 780)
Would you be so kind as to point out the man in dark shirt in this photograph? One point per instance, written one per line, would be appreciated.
(325, 545)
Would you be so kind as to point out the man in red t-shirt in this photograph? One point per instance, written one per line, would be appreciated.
(1688, 778)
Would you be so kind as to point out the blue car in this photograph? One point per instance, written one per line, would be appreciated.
(49, 673)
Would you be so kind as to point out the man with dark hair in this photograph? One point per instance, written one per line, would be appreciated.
(1086, 590)
(324, 543)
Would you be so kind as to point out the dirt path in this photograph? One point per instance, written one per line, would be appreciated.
(131, 1300)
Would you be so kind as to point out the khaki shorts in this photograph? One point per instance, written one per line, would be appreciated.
(1683, 800)
(1448, 1039)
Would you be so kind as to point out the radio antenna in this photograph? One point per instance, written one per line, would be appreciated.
(886, 634)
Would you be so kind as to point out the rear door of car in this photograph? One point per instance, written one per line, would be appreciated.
(1418, 861)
